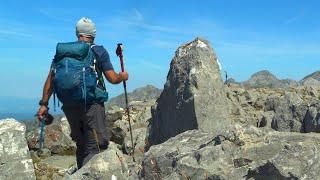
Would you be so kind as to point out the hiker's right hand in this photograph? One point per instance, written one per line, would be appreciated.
(124, 76)
(43, 111)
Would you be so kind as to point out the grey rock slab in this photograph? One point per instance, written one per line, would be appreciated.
(55, 167)
(263, 154)
(62, 163)
(108, 164)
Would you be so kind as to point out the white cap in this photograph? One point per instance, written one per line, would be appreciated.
(85, 27)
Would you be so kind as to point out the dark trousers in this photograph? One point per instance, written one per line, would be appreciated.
(88, 130)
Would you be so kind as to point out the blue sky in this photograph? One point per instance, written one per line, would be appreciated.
(248, 36)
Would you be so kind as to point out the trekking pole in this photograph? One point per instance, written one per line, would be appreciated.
(119, 53)
(41, 138)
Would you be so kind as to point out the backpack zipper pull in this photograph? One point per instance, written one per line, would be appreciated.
(67, 66)
(84, 88)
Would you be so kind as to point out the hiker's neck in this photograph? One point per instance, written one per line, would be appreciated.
(86, 39)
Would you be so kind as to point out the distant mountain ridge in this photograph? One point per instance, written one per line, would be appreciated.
(315, 75)
(265, 78)
(140, 94)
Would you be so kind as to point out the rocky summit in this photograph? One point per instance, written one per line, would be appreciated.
(193, 96)
(197, 127)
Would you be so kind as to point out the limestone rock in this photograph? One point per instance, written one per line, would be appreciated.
(140, 114)
(57, 138)
(312, 118)
(294, 112)
(118, 135)
(108, 164)
(55, 167)
(240, 153)
(193, 95)
(15, 160)
(289, 113)
(139, 137)
(114, 113)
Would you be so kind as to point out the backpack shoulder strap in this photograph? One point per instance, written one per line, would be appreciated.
(98, 71)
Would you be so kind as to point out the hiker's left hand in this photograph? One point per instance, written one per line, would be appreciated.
(43, 111)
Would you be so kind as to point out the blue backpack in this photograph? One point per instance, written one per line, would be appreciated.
(75, 74)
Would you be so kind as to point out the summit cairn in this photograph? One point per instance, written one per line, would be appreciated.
(193, 95)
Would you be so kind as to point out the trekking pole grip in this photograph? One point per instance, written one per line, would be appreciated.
(119, 53)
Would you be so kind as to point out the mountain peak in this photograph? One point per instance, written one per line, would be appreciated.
(263, 74)
(314, 75)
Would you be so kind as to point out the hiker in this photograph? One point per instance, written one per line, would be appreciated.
(80, 87)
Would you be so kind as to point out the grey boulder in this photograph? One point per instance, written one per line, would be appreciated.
(193, 96)
(109, 164)
(312, 118)
(15, 160)
(57, 138)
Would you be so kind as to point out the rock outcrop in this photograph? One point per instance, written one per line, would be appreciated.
(277, 108)
(15, 160)
(58, 153)
(146, 93)
(289, 112)
(140, 114)
(193, 95)
(239, 153)
(57, 138)
(294, 111)
(312, 118)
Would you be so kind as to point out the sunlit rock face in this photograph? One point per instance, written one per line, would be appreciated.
(15, 160)
(193, 95)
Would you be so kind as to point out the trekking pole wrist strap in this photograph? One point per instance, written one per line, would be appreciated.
(43, 103)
